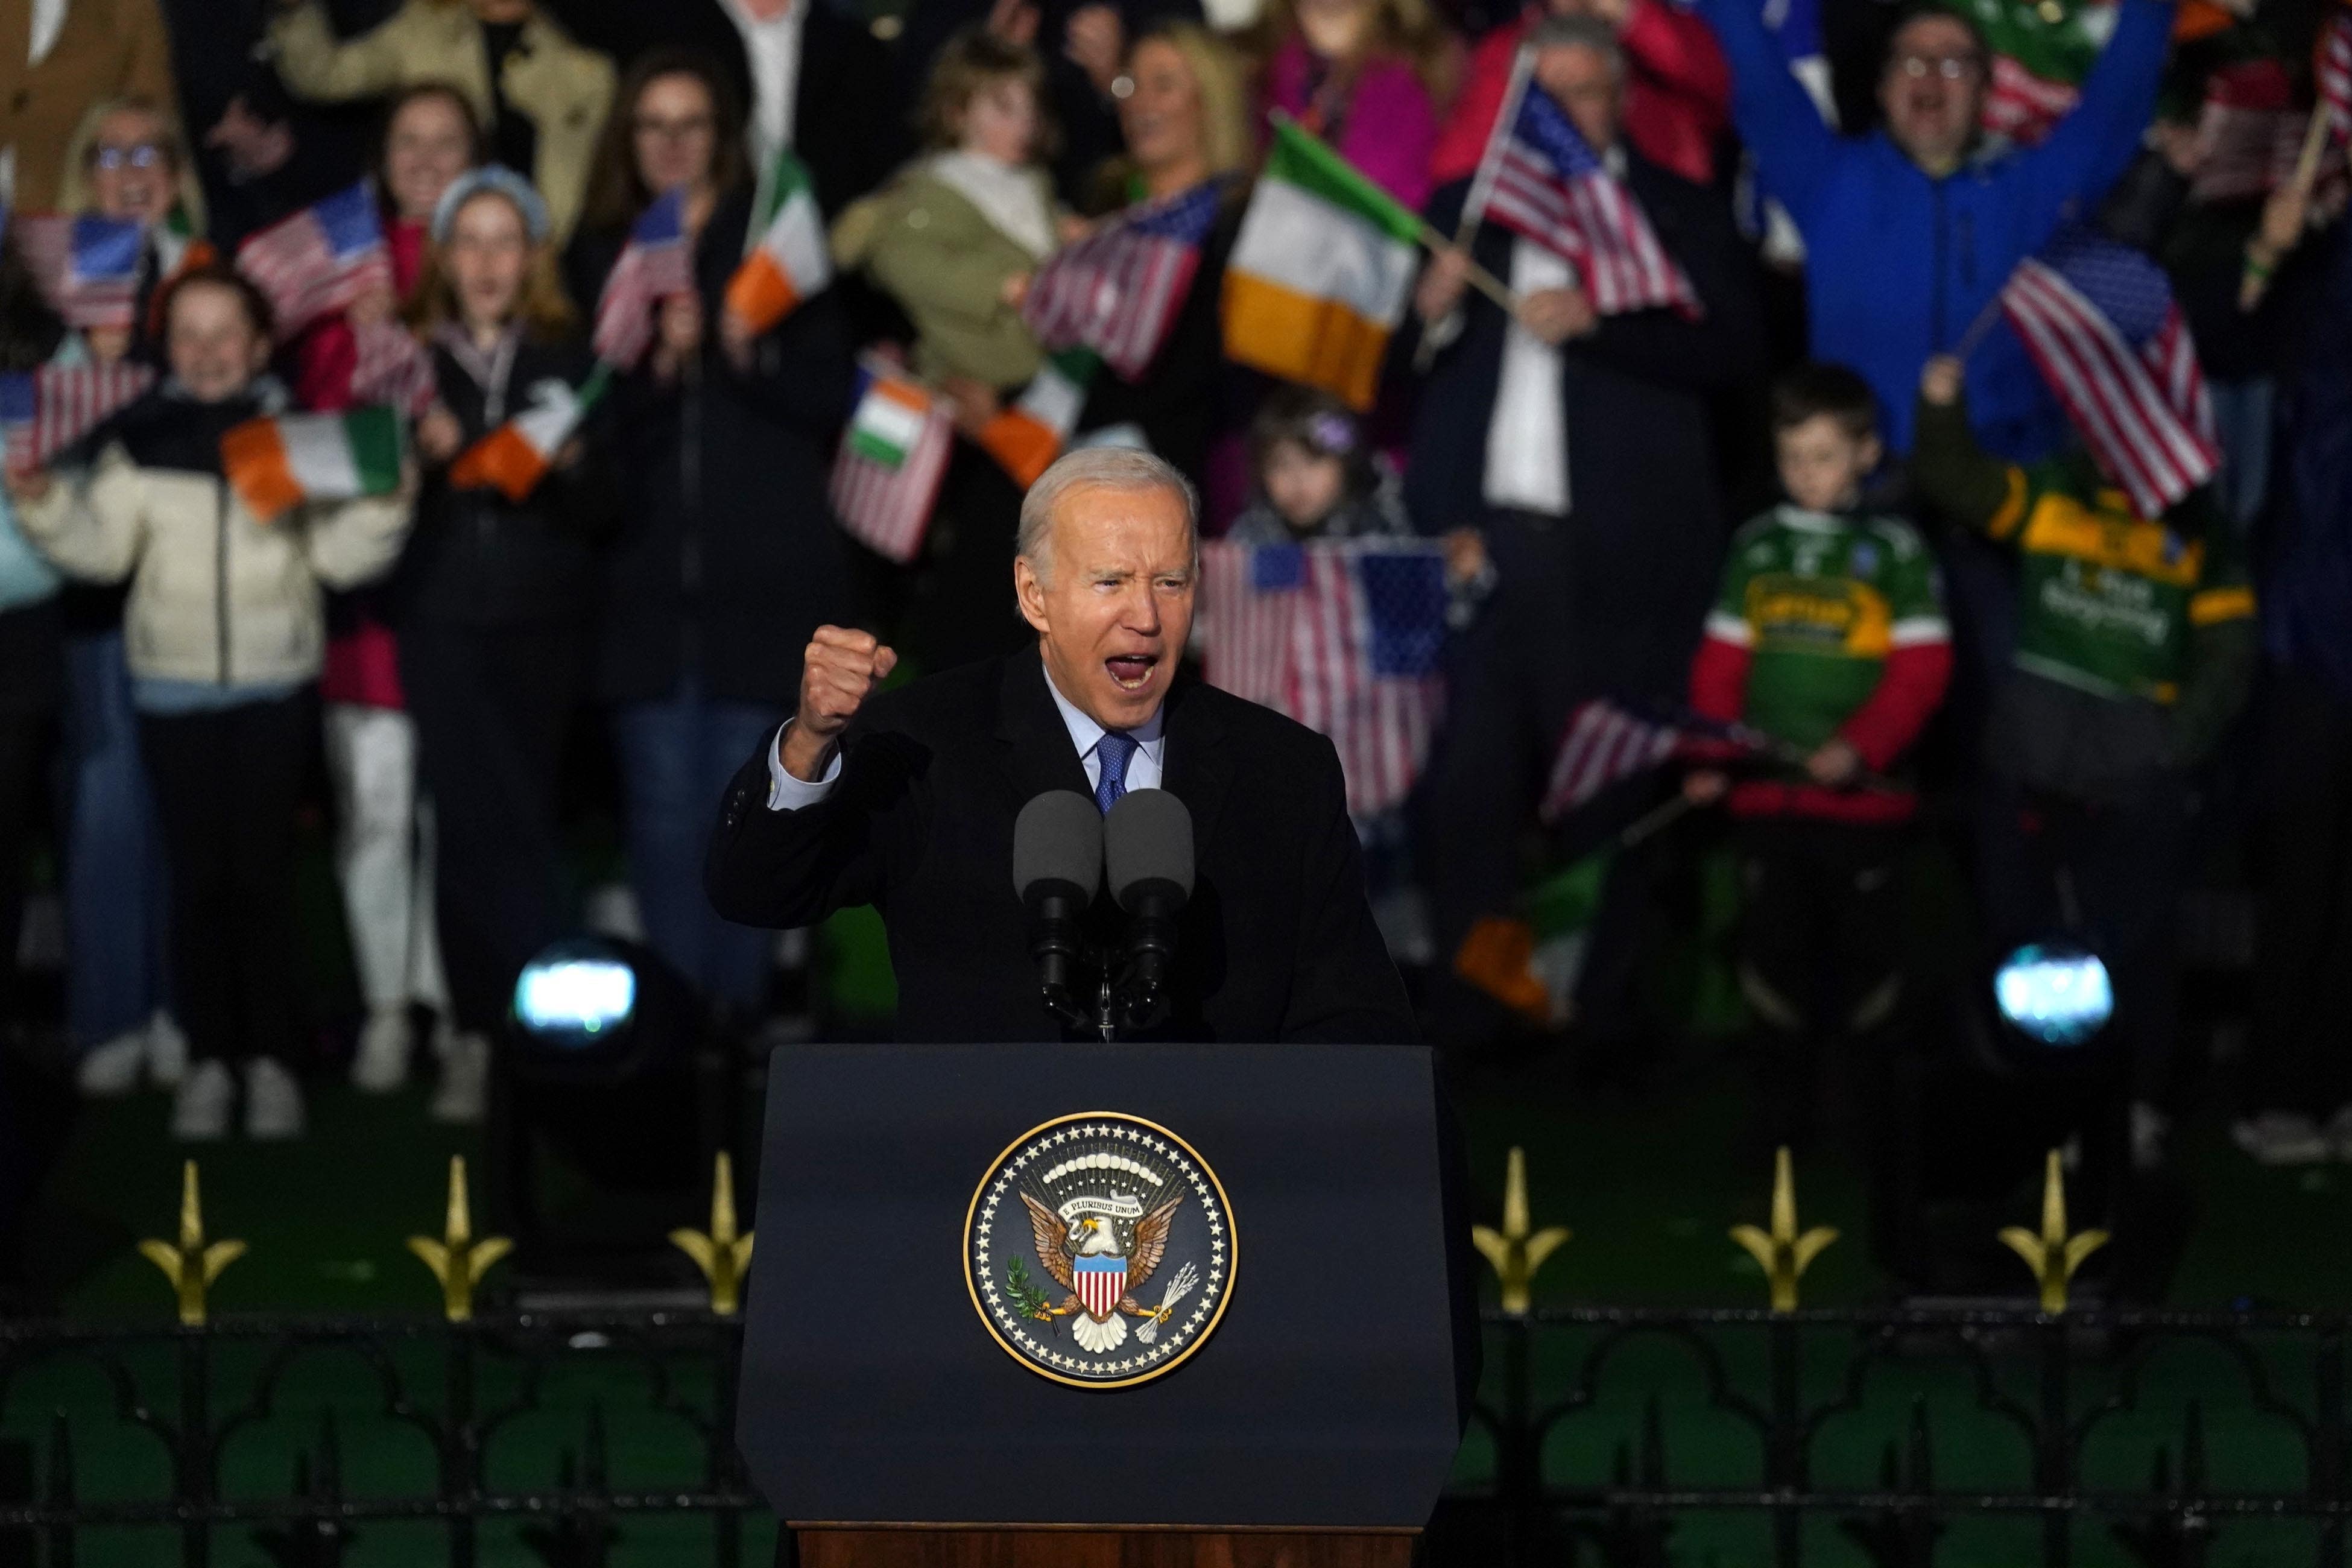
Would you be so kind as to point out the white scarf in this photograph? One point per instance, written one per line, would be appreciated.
(1526, 435)
(1011, 198)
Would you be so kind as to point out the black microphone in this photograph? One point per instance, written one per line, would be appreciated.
(1057, 860)
(1148, 843)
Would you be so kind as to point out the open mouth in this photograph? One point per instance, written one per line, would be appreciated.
(1130, 670)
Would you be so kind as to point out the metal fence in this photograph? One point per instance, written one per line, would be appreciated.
(1635, 1437)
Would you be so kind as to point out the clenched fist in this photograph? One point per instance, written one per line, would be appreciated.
(840, 669)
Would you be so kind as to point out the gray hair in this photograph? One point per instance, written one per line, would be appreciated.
(1110, 469)
(1580, 32)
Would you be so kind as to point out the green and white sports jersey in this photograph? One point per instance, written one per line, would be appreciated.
(2108, 599)
(1819, 601)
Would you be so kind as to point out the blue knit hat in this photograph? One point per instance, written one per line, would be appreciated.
(499, 181)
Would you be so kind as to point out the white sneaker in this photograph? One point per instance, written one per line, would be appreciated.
(380, 1063)
(167, 1050)
(2150, 1128)
(200, 1108)
(273, 1101)
(2283, 1138)
(111, 1068)
(463, 1090)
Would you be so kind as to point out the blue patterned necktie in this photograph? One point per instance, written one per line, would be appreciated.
(1114, 751)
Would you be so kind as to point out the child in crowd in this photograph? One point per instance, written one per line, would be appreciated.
(225, 628)
(956, 235)
(954, 239)
(2136, 649)
(493, 602)
(1318, 478)
(1829, 637)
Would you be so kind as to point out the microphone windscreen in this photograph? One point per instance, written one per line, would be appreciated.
(1058, 837)
(1148, 837)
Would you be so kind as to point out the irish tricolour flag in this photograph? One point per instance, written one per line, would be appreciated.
(275, 464)
(513, 458)
(1320, 271)
(1025, 439)
(789, 262)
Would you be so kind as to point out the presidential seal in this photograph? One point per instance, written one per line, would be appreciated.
(1100, 1250)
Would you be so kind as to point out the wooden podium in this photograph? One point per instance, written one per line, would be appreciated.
(890, 1421)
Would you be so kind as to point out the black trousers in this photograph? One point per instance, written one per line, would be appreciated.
(1820, 953)
(2302, 1045)
(493, 705)
(32, 670)
(227, 784)
(2107, 875)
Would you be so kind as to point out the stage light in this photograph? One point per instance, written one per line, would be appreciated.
(2054, 993)
(575, 991)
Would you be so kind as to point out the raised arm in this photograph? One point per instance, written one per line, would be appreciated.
(1775, 116)
(2095, 143)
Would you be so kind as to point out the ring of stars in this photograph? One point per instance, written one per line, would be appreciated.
(1037, 1345)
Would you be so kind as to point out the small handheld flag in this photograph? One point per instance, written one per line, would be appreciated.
(1548, 184)
(1025, 439)
(789, 261)
(1345, 636)
(86, 267)
(893, 455)
(1116, 290)
(275, 464)
(652, 265)
(1320, 271)
(513, 458)
(2101, 324)
(48, 410)
(319, 260)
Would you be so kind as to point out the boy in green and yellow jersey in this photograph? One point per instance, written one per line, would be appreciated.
(2136, 645)
(1829, 635)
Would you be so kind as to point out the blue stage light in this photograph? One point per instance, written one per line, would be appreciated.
(576, 993)
(2055, 992)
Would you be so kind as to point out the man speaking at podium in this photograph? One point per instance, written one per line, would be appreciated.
(909, 799)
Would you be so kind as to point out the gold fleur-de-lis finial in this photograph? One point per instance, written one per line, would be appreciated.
(458, 1260)
(192, 1265)
(1514, 1253)
(2053, 1256)
(1787, 1252)
(723, 1257)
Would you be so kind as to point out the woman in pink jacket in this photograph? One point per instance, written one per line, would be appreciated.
(1370, 77)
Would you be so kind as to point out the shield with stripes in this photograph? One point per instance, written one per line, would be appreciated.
(1101, 1282)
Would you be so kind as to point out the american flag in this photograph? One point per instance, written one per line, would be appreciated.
(1542, 180)
(319, 260)
(48, 410)
(1115, 292)
(654, 264)
(391, 367)
(86, 267)
(2023, 106)
(1344, 637)
(885, 504)
(1605, 745)
(2100, 321)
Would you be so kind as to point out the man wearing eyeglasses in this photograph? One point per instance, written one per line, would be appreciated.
(57, 58)
(1911, 229)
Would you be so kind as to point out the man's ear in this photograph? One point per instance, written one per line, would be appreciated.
(1873, 450)
(1029, 592)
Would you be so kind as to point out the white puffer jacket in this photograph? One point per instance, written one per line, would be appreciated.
(216, 595)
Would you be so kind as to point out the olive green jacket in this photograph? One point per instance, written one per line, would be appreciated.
(927, 247)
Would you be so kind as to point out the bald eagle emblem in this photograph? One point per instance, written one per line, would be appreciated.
(1100, 1250)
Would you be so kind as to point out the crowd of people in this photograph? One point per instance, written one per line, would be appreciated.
(1946, 571)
